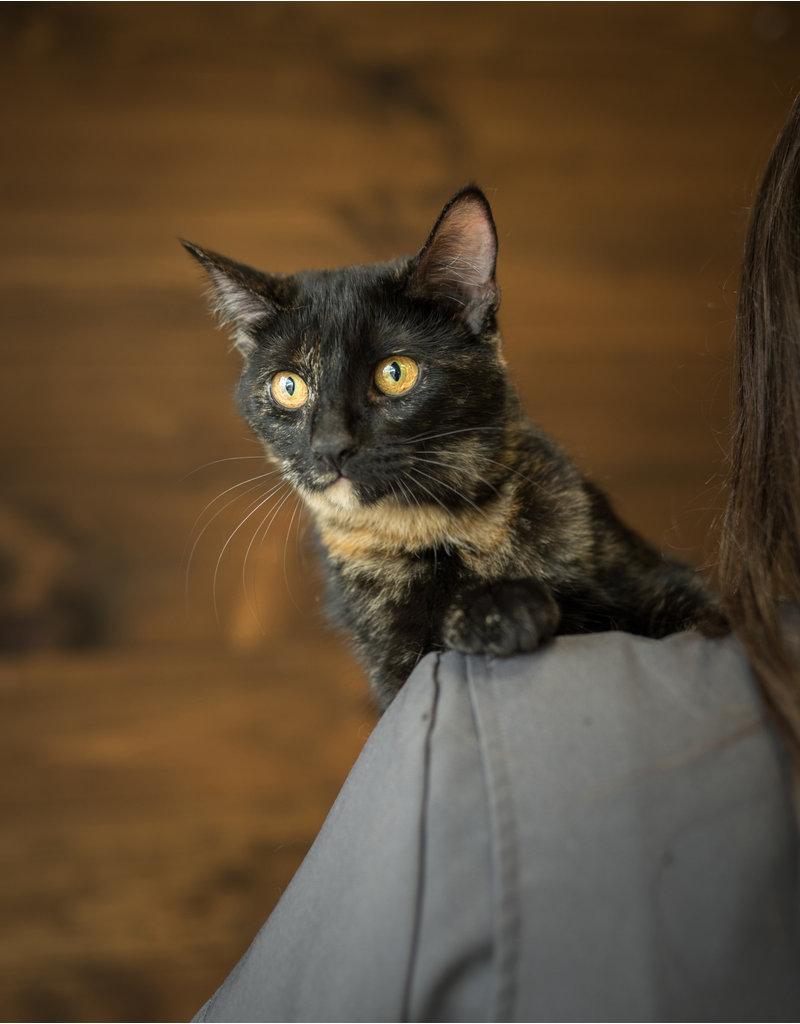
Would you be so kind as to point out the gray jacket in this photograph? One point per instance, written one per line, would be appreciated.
(598, 831)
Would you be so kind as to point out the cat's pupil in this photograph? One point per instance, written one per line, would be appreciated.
(289, 386)
(394, 371)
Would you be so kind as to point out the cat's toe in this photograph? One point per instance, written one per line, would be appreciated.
(509, 617)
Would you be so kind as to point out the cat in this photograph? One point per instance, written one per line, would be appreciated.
(446, 519)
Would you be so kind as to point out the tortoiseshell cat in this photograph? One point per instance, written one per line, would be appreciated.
(447, 520)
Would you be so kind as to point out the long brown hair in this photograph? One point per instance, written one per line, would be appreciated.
(759, 563)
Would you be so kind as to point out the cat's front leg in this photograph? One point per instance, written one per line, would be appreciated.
(501, 618)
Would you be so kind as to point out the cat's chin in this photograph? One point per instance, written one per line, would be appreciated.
(341, 494)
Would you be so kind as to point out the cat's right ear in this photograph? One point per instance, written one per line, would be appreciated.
(240, 295)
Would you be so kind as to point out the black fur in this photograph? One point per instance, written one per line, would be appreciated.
(446, 519)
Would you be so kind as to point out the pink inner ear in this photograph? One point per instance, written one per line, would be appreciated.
(457, 264)
(469, 235)
(459, 258)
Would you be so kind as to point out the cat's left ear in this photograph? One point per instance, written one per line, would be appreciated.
(242, 296)
(456, 266)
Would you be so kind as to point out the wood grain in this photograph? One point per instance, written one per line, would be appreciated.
(160, 784)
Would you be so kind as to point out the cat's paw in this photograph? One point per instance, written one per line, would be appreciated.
(502, 618)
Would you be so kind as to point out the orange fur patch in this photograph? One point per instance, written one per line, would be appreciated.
(388, 529)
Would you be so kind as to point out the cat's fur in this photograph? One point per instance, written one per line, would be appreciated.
(447, 520)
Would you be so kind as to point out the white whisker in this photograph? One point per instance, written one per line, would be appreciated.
(255, 481)
(460, 470)
(259, 533)
(418, 438)
(455, 490)
(298, 506)
(216, 462)
(255, 506)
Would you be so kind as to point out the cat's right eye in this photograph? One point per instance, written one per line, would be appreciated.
(289, 390)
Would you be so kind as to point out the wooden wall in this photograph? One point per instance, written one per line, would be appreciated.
(173, 736)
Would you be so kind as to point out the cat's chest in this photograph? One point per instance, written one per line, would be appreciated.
(394, 543)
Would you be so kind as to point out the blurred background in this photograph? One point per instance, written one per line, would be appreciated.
(176, 719)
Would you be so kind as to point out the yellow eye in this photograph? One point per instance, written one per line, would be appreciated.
(289, 390)
(396, 375)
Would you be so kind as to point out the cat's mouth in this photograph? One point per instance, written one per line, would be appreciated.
(343, 494)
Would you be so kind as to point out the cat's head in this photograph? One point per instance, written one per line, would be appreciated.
(380, 383)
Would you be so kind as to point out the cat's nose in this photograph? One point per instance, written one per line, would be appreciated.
(334, 449)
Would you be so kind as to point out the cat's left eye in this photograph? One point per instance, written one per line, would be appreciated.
(396, 375)
(289, 390)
